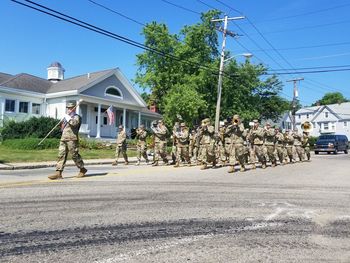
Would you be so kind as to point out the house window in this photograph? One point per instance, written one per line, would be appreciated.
(113, 91)
(104, 120)
(23, 107)
(325, 126)
(299, 116)
(333, 126)
(10, 105)
(307, 116)
(35, 108)
(345, 124)
(326, 114)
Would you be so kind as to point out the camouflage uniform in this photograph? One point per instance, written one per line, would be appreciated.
(182, 145)
(306, 145)
(289, 139)
(226, 138)
(280, 146)
(270, 144)
(69, 143)
(160, 140)
(141, 146)
(121, 146)
(207, 144)
(256, 137)
(237, 149)
(176, 128)
(193, 148)
(298, 146)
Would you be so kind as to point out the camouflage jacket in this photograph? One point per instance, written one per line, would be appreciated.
(256, 136)
(289, 139)
(280, 141)
(237, 133)
(270, 137)
(141, 137)
(70, 130)
(182, 138)
(207, 135)
(159, 134)
(297, 139)
(121, 139)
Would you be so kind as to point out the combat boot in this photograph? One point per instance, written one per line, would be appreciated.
(155, 163)
(263, 166)
(177, 164)
(57, 175)
(204, 166)
(82, 172)
(242, 168)
(253, 166)
(126, 163)
(231, 169)
(115, 163)
(138, 162)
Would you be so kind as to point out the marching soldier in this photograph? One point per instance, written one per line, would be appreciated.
(226, 144)
(280, 146)
(256, 137)
(182, 145)
(121, 146)
(298, 145)
(237, 149)
(69, 143)
(176, 129)
(207, 144)
(193, 148)
(160, 131)
(306, 145)
(270, 143)
(141, 145)
(289, 140)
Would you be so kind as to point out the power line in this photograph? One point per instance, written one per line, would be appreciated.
(307, 72)
(181, 7)
(99, 30)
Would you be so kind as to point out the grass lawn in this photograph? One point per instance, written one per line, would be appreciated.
(8, 155)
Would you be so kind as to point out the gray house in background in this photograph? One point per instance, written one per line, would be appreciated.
(23, 96)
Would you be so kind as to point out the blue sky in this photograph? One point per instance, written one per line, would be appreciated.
(297, 34)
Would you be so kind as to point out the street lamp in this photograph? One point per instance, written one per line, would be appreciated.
(218, 102)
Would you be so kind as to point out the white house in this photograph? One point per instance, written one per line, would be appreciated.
(23, 96)
(333, 118)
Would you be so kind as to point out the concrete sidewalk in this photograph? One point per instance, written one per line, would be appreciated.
(15, 166)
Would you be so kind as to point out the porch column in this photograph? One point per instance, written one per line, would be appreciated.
(124, 118)
(2, 108)
(98, 133)
(139, 120)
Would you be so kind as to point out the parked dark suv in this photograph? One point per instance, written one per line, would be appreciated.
(331, 143)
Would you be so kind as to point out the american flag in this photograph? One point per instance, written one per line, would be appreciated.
(110, 114)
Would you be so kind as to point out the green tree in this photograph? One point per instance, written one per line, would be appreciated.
(331, 98)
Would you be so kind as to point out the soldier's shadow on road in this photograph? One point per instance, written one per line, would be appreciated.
(87, 175)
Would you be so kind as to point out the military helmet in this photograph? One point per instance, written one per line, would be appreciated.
(71, 104)
(206, 121)
(183, 124)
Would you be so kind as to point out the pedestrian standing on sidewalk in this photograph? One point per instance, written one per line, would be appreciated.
(69, 142)
(121, 146)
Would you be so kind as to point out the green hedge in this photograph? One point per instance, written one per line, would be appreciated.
(34, 127)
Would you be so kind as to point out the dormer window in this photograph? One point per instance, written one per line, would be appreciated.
(326, 114)
(113, 91)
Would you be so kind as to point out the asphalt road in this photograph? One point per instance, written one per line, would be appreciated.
(292, 213)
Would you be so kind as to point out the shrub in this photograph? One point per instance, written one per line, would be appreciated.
(31, 144)
(34, 127)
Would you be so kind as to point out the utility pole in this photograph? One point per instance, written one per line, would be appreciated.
(221, 69)
(295, 97)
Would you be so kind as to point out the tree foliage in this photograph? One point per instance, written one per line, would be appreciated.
(331, 98)
(184, 78)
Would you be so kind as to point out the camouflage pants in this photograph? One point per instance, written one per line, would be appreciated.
(160, 151)
(299, 152)
(280, 153)
(270, 150)
(174, 152)
(290, 153)
(193, 150)
(141, 150)
(259, 152)
(66, 147)
(121, 149)
(182, 153)
(225, 154)
(307, 152)
(237, 154)
(207, 153)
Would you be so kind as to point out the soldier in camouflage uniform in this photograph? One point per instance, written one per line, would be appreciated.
(141, 146)
(289, 140)
(280, 146)
(256, 137)
(306, 145)
(220, 144)
(237, 150)
(121, 146)
(298, 145)
(226, 138)
(69, 142)
(207, 144)
(193, 148)
(176, 128)
(160, 131)
(270, 143)
(182, 137)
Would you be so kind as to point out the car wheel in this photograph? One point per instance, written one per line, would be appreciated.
(328, 152)
(335, 151)
(316, 152)
(346, 151)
